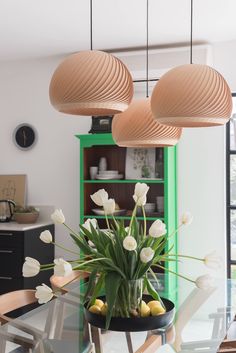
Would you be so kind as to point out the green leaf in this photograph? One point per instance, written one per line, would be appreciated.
(151, 290)
(112, 284)
(82, 245)
(91, 283)
(97, 289)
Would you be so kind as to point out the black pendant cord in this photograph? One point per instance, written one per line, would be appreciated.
(191, 33)
(91, 24)
(147, 47)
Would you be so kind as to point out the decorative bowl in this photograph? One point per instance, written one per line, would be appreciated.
(134, 324)
(26, 218)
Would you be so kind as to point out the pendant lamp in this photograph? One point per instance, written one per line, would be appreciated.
(136, 127)
(192, 95)
(91, 83)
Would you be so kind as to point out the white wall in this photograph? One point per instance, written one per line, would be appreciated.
(52, 166)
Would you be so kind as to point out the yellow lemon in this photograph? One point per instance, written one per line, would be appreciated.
(95, 309)
(104, 309)
(99, 303)
(143, 302)
(153, 303)
(144, 310)
(157, 310)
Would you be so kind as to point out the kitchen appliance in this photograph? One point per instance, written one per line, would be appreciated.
(6, 210)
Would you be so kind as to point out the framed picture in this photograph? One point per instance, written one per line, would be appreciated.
(13, 187)
(140, 163)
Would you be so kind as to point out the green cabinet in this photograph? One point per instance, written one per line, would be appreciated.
(95, 146)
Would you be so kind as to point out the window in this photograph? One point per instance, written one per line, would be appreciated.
(231, 192)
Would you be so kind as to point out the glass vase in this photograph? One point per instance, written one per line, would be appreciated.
(129, 298)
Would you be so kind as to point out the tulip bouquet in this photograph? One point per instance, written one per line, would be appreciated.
(120, 259)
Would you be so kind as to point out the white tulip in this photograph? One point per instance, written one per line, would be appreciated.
(157, 229)
(58, 216)
(100, 197)
(140, 194)
(43, 294)
(186, 218)
(46, 236)
(146, 255)
(31, 267)
(205, 282)
(213, 261)
(129, 243)
(62, 268)
(87, 224)
(109, 206)
(90, 243)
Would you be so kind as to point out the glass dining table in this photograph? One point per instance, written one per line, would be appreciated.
(202, 320)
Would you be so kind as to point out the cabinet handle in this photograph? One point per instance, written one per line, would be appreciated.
(6, 251)
(7, 278)
(2, 233)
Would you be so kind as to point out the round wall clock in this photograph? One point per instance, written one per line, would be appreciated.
(24, 136)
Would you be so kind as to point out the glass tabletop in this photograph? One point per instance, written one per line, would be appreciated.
(201, 322)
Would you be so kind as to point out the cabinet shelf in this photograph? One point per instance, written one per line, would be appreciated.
(124, 181)
(124, 217)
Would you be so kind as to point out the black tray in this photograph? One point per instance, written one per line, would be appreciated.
(134, 324)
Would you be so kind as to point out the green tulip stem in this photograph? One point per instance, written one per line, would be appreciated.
(175, 273)
(107, 222)
(132, 218)
(144, 222)
(62, 247)
(48, 266)
(117, 225)
(175, 231)
(185, 256)
(70, 229)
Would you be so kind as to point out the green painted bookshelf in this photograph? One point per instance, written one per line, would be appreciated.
(95, 146)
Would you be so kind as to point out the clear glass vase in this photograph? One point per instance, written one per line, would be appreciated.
(129, 298)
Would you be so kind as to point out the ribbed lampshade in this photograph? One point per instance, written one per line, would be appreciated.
(136, 127)
(91, 83)
(192, 96)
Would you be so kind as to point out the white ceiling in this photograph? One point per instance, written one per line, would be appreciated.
(30, 28)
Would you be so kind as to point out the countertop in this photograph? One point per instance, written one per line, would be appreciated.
(14, 226)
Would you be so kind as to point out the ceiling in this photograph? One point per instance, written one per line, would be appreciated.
(31, 29)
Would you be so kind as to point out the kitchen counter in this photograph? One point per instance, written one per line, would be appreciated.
(14, 226)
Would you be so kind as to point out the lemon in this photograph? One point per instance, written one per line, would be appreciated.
(157, 310)
(99, 303)
(104, 309)
(144, 310)
(95, 309)
(153, 303)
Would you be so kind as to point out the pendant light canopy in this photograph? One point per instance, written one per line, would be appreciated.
(192, 96)
(91, 83)
(136, 127)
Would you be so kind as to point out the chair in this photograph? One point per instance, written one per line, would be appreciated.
(61, 331)
(13, 301)
(58, 282)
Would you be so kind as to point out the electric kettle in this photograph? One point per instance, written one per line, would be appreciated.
(6, 210)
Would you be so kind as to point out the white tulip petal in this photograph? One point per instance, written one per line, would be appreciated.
(130, 243)
(46, 236)
(58, 216)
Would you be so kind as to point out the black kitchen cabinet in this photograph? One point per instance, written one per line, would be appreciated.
(15, 245)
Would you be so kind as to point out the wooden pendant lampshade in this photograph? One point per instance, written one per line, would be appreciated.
(91, 83)
(192, 96)
(136, 127)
